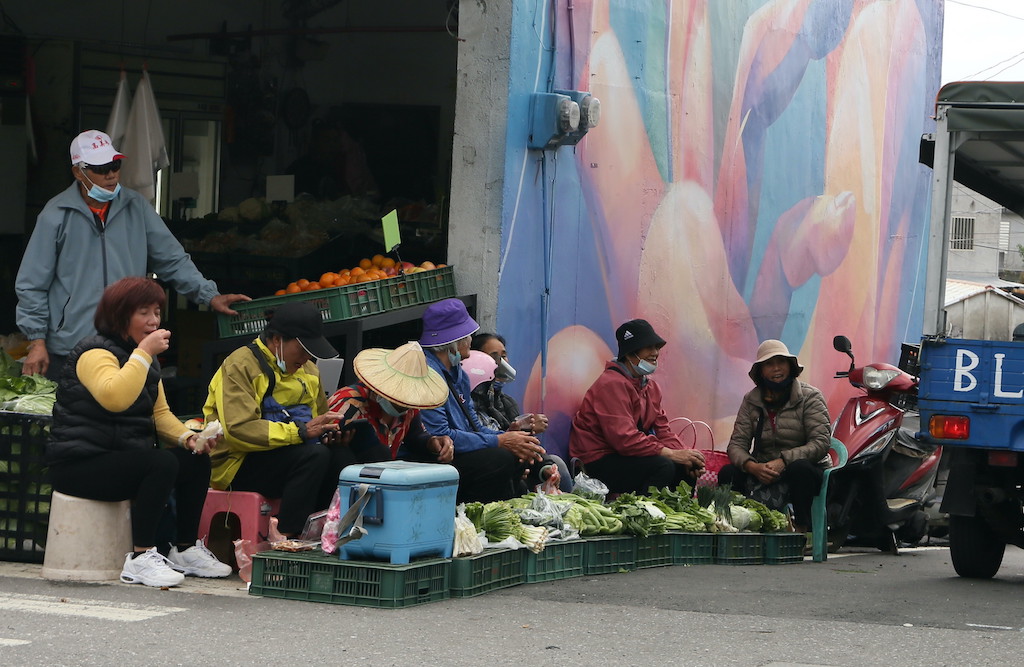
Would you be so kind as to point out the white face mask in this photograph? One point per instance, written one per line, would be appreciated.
(505, 371)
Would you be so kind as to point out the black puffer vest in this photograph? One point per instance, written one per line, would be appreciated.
(82, 427)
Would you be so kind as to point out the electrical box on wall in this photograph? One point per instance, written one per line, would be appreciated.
(552, 118)
(590, 115)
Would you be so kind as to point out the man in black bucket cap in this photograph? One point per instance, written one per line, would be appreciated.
(621, 432)
(280, 440)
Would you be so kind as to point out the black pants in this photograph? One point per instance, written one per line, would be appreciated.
(488, 474)
(304, 477)
(636, 474)
(146, 477)
(803, 478)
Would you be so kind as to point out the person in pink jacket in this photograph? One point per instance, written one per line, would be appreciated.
(620, 431)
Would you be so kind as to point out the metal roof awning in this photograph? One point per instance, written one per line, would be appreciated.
(988, 117)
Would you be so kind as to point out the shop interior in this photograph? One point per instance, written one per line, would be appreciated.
(289, 131)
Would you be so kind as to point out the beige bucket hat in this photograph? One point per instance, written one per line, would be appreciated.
(773, 348)
(401, 376)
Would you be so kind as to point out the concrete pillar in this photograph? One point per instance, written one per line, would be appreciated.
(478, 151)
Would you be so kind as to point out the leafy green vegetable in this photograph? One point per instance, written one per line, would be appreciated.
(639, 517)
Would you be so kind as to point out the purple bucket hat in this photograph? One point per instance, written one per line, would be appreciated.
(446, 322)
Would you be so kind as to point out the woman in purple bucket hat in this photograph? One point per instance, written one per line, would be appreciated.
(491, 463)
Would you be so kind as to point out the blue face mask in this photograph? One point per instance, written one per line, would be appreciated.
(454, 358)
(101, 194)
(389, 408)
(644, 367)
(277, 355)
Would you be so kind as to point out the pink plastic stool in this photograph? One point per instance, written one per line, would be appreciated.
(252, 510)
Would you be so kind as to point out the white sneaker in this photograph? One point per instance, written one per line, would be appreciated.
(198, 561)
(150, 568)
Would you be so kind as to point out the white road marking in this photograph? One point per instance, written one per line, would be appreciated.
(13, 642)
(989, 627)
(63, 606)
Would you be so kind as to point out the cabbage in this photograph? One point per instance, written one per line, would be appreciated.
(741, 517)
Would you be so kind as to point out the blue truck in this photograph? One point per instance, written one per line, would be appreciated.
(971, 392)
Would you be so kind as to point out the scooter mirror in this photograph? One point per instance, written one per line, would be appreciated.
(842, 344)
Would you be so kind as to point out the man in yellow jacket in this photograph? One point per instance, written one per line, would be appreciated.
(280, 440)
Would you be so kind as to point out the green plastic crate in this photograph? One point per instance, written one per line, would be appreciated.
(781, 548)
(434, 285)
(602, 555)
(692, 548)
(488, 571)
(318, 577)
(558, 560)
(400, 291)
(739, 548)
(653, 551)
(334, 303)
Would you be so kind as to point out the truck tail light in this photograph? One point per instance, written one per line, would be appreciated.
(947, 427)
(1003, 459)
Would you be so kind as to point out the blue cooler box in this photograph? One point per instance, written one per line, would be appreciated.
(410, 513)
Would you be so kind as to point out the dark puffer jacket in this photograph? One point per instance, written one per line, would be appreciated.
(83, 428)
(801, 429)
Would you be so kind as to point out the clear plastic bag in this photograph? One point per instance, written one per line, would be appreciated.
(329, 533)
(467, 540)
(590, 487)
(244, 550)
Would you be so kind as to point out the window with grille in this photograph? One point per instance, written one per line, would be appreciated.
(961, 236)
(1004, 235)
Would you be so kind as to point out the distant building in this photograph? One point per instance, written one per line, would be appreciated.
(984, 240)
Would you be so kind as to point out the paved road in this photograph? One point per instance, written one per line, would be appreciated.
(857, 609)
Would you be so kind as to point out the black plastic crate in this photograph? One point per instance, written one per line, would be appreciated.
(24, 486)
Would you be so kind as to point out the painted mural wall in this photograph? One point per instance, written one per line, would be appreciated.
(754, 175)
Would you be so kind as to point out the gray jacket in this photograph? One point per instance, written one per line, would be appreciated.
(69, 260)
(801, 429)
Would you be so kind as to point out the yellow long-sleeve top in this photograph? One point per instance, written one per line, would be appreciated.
(236, 390)
(117, 387)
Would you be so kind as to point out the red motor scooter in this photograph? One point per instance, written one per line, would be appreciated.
(881, 497)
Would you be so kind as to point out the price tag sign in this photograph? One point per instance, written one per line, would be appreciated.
(392, 237)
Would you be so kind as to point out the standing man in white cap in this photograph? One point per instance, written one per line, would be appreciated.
(86, 238)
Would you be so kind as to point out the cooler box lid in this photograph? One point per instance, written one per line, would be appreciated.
(399, 473)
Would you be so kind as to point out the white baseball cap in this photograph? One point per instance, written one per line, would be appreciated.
(93, 147)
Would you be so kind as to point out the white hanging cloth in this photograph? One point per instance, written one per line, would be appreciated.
(143, 145)
(118, 120)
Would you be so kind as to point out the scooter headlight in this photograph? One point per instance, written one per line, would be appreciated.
(876, 379)
(874, 448)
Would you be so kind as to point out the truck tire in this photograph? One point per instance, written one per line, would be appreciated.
(976, 550)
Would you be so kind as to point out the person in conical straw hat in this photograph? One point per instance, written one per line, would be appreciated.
(382, 409)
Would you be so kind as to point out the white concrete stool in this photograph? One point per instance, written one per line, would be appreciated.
(86, 539)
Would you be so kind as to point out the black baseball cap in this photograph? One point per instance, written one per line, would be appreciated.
(301, 320)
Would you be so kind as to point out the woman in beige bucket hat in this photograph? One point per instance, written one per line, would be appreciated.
(780, 436)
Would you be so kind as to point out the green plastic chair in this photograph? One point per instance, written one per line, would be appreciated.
(819, 514)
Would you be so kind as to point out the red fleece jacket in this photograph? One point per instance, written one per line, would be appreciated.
(620, 415)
